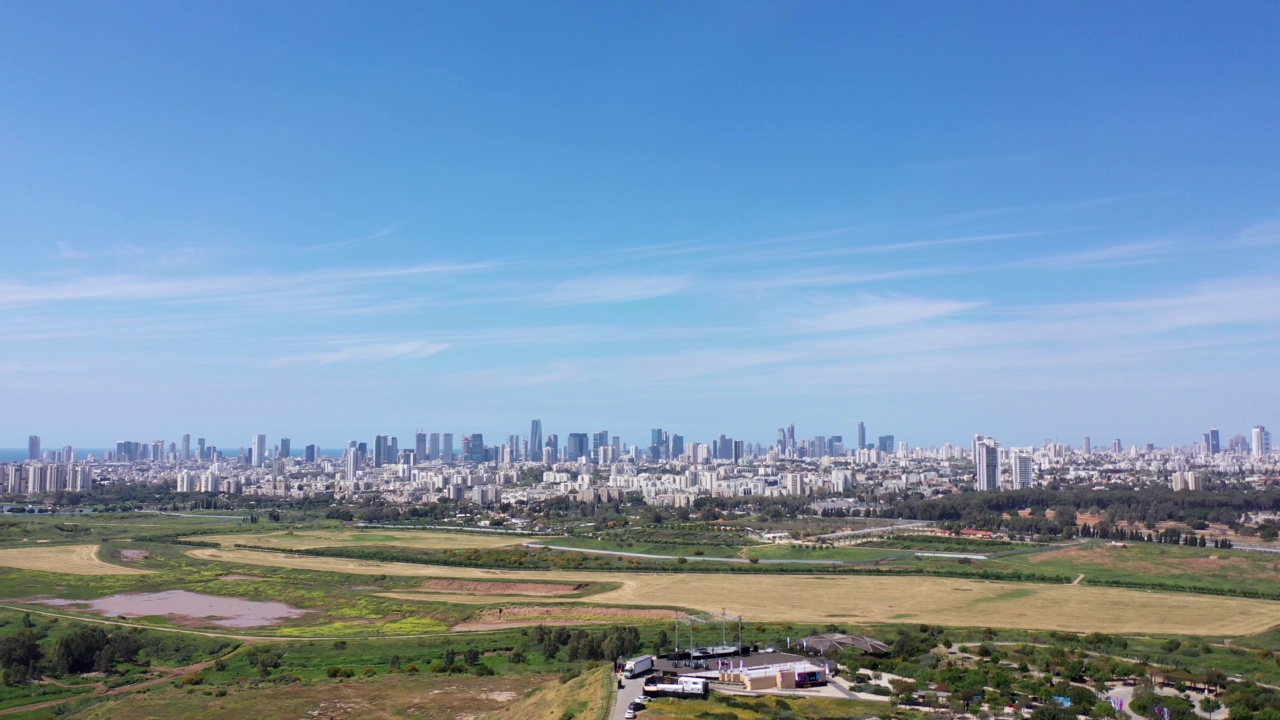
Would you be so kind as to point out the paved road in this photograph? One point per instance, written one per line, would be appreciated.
(631, 690)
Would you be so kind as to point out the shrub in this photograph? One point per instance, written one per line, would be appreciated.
(193, 680)
(368, 672)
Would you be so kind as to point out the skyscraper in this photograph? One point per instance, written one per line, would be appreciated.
(1214, 446)
(677, 446)
(862, 436)
(186, 446)
(200, 445)
(258, 450)
(1261, 441)
(33, 447)
(535, 441)
(477, 454)
(657, 444)
(885, 444)
(551, 451)
(310, 453)
(598, 440)
(577, 447)
(1088, 446)
(446, 447)
(1022, 470)
(986, 463)
(1116, 447)
(286, 449)
(379, 450)
(420, 447)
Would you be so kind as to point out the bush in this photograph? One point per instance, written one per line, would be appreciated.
(482, 670)
(192, 680)
(368, 672)
(333, 672)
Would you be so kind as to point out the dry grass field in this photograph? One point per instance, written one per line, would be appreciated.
(68, 559)
(819, 598)
(305, 539)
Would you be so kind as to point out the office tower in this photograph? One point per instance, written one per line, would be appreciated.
(677, 446)
(551, 450)
(33, 447)
(986, 463)
(446, 447)
(1261, 445)
(200, 445)
(1022, 470)
(433, 446)
(513, 444)
(739, 451)
(598, 440)
(535, 440)
(862, 436)
(791, 437)
(310, 454)
(724, 448)
(885, 444)
(657, 446)
(258, 450)
(379, 450)
(157, 450)
(1116, 447)
(420, 447)
(1088, 445)
(1214, 447)
(782, 440)
(393, 449)
(186, 447)
(577, 448)
(353, 463)
(286, 448)
(477, 451)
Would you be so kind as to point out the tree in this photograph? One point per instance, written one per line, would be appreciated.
(661, 642)
(20, 650)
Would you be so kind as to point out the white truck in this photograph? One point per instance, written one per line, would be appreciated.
(637, 666)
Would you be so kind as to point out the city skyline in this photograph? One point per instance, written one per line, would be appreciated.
(710, 217)
(1255, 440)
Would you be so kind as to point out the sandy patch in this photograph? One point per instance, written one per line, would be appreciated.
(68, 559)
(134, 555)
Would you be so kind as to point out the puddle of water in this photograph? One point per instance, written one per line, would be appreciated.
(225, 611)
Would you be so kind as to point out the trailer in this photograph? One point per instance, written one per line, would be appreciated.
(677, 687)
(635, 667)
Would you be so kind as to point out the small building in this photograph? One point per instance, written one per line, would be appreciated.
(786, 676)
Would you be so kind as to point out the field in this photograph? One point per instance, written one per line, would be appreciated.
(302, 539)
(767, 708)
(838, 554)
(1156, 564)
(68, 559)
(427, 697)
(864, 599)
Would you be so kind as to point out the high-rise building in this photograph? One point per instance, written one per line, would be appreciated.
(551, 450)
(513, 445)
(1261, 441)
(420, 447)
(657, 444)
(1022, 470)
(157, 450)
(1214, 446)
(535, 441)
(379, 450)
(446, 447)
(286, 448)
(186, 446)
(200, 446)
(986, 463)
(310, 453)
(258, 450)
(862, 436)
(477, 454)
(791, 437)
(1088, 445)
(33, 447)
(885, 444)
(677, 446)
(1116, 447)
(577, 447)
(598, 440)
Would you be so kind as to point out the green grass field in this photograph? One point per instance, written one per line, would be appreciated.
(840, 554)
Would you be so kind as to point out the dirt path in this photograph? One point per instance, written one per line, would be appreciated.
(1077, 580)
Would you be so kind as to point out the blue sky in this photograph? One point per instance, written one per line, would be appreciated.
(329, 220)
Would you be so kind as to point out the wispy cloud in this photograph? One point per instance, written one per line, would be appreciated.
(1259, 235)
(384, 232)
(613, 289)
(1124, 255)
(364, 352)
(876, 312)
